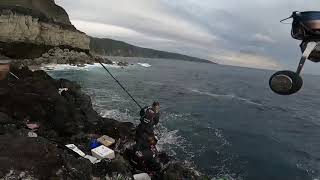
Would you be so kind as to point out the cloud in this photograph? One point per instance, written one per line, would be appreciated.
(249, 60)
(107, 30)
(101, 30)
(198, 28)
(263, 38)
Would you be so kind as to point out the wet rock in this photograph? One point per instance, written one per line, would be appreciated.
(107, 61)
(119, 165)
(16, 174)
(75, 167)
(58, 56)
(39, 157)
(102, 60)
(116, 176)
(4, 119)
(122, 63)
(178, 171)
(116, 130)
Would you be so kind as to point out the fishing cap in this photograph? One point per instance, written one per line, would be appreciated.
(4, 60)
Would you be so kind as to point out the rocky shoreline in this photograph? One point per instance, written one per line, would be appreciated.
(63, 119)
(65, 56)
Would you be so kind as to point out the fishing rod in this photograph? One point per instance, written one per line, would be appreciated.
(14, 75)
(136, 102)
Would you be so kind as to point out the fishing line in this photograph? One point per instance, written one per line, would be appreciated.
(120, 85)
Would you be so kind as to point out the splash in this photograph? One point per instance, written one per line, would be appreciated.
(117, 114)
(170, 140)
(144, 65)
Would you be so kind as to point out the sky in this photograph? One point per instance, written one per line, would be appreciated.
(233, 32)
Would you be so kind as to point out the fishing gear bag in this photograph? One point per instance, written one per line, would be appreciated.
(305, 25)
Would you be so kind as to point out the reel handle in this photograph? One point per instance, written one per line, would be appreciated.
(306, 53)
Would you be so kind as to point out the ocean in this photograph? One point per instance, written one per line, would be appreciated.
(222, 120)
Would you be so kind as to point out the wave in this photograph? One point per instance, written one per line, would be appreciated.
(61, 67)
(154, 83)
(167, 139)
(227, 96)
(144, 64)
(117, 114)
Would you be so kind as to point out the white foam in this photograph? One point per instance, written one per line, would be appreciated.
(167, 138)
(116, 114)
(60, 67)
(144, 64)
(228, 96)
(170, 140)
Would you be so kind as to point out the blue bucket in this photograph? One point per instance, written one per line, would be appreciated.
(94, 144)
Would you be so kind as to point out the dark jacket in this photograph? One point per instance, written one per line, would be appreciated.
(145, 157)
(149, 116)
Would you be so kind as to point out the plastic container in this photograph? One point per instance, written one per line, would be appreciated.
(75, 149)
(142, 176)
(92, 159)
(103, 152)
(94, 144)
(106, 140)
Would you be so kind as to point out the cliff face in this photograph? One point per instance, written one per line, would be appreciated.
(47, 7)
(29, 28)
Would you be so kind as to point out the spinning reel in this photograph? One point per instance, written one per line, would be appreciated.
(305, 27)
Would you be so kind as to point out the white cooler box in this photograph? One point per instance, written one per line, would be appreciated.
(142, 176)
(103, 152)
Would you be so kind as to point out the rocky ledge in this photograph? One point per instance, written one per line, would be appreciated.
(63, 118)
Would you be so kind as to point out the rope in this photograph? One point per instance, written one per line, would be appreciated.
(121, 85)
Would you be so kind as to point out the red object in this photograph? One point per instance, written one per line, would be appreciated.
(33, 126)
